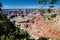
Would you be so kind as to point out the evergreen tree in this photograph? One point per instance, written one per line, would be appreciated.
(45, 2)
(0, 7)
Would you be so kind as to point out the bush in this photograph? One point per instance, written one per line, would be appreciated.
(9, 32)
(43, 38)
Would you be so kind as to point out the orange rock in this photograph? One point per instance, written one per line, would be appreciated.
(38, 26)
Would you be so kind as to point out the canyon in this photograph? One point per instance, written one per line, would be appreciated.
(40, 27)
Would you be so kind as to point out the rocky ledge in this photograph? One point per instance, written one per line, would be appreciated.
(39, 26)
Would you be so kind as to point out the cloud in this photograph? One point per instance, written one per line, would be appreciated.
(6, 7)
(17, 7)
(27, 7)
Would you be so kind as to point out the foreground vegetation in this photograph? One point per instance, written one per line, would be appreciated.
(9, 32)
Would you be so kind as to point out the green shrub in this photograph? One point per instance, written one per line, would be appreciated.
(10, 32)
(43, 38)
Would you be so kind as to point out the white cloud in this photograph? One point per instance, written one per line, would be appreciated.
(26, 6)
(22, 7)
(17, 7)
(6, 7)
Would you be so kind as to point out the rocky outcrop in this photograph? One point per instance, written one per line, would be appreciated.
(38, 26)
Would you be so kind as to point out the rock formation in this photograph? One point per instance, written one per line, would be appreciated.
(38, 26)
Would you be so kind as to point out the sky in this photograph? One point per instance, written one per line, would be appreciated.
(19, 4)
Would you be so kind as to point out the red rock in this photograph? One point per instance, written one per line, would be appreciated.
(38, 26)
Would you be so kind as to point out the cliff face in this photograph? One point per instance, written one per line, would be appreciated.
(38, 26)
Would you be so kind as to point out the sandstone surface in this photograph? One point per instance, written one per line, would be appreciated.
(39, 26)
